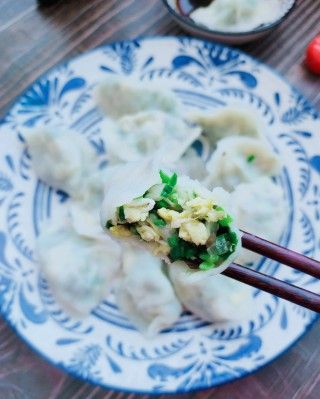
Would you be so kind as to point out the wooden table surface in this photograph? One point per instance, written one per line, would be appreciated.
(32, 40)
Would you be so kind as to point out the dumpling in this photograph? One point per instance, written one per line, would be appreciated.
(85, 219)
(149, 133)
(228, 122)
(190, 164)
(144, 293)
(240, 160)
(216, 299)
(118, 96)
(80, 270)
(260, 209)
(62, 158)
(174, 217)
(237, 15)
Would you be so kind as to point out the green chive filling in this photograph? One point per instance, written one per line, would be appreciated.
(121, 214)
(251, 158)
(207, 254)
(156, 220)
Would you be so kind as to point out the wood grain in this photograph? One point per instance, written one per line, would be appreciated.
(281, 254)
(33, 39)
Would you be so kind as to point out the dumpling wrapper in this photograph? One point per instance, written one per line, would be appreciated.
(190, 164)
(118, 96)
(85, 220)
(85, 214)
(63, 159)
(216, 299)
(240, 160)
(127, 181)
(131, 180)
(80, 270)
(144, 293)
(150, 133)
(228, 122)
(260, 209)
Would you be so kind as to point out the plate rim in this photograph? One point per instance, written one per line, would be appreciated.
(64, 368)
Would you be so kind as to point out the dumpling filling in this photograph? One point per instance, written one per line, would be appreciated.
(178, 222)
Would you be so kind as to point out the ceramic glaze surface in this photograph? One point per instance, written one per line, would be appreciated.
(104, 348)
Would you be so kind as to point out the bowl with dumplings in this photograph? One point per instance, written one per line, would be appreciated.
(230, 21)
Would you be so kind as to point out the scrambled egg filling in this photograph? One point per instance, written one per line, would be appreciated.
(195, 232)
(148, 233)
(177, 224)
(138, 209)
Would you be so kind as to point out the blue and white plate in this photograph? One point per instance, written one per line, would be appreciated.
(104, 348)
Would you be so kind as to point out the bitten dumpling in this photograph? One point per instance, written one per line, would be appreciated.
(118, 96)
(174, 217)
(260, 209)
(215, 299)
(240, 160)
(144, 293)
(62, 158)
(80, 270)
(150, 133)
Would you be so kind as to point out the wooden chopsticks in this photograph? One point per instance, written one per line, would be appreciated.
(270, 284)
(281, 254)
(274, 286)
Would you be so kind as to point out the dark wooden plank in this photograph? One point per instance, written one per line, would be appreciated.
(31, 41)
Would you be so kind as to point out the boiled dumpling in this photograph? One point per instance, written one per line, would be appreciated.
(173, 216)
(150, 133)
(144, 293)
(80, 270)
(260, 209)
(227, 122)
(190, 164)
(217, 298)
(240, 160)
(118, 96)
(237, 15)
(84, 215)
(63, 159)
(85, 219)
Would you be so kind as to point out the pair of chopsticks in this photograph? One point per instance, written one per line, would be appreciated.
(270, 284)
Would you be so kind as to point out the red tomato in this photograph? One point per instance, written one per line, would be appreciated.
(313, 55)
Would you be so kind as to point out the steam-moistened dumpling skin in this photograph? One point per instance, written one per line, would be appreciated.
(260, 209)
(61, 158)
(126, 182)
(228, 122)
(144, 293)
(174, 217)
(151, 133)
(85, 219)
(240, 160)
(80, 270)
(118, 96)
(237, 15)
(190, 164)
(217, 298)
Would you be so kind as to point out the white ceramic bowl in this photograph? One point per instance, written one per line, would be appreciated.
(228, 37)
